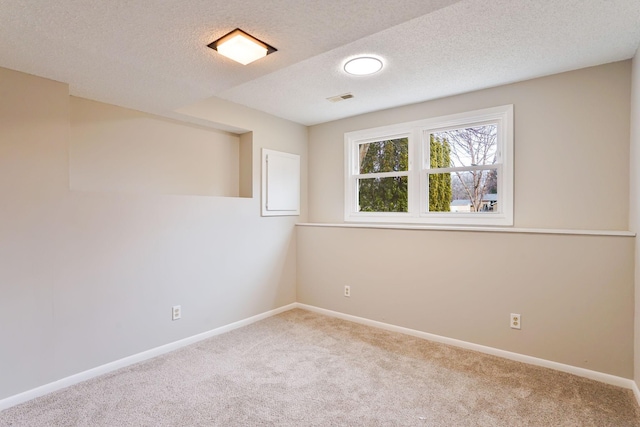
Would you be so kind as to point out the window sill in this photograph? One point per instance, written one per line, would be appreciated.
(476, 229)
(434, 219)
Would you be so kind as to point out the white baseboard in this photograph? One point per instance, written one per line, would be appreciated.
(130, 360)
(154, 352)
(581, 372)
(636, 391)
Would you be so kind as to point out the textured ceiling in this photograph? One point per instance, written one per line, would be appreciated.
(151, 55)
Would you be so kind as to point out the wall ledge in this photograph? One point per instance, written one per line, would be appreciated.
(614, 233)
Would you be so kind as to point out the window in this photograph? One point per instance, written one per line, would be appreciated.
(455, 170)
(383, 175)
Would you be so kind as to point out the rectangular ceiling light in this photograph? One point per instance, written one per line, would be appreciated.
(241, 47)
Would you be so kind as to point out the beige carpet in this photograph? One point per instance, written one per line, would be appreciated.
(304, 369)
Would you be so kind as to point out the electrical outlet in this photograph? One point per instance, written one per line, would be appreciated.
(347, 291)
(176, 312)
(515, 322)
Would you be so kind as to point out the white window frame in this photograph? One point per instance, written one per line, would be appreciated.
(418, 168)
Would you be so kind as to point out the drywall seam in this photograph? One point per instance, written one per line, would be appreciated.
(130, 360)
(581, 372)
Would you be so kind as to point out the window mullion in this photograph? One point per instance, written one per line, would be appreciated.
(464, 168)
(382, 175)
(418, 189)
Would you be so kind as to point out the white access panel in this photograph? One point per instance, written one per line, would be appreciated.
(280, 183)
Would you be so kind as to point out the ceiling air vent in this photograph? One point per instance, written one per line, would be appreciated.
(339, 98)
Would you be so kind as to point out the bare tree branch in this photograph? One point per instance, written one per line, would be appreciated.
(472, 146)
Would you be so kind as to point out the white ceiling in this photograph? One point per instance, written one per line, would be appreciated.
(152, 55)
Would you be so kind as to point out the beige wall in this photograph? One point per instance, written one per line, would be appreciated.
(575, 293)
(33, 186)
(121, 150)
(563, 176)
(89, 277)
(634, 211)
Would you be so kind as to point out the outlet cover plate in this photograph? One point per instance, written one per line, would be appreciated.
(515, 322)
(176, 312)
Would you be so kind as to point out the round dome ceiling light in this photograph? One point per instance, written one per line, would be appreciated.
(363, 66)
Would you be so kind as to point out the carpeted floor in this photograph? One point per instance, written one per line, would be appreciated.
(303, 369)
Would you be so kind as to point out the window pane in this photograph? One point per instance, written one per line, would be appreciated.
(391, 155)
(470, 146)
(465, 191)
(383, 194)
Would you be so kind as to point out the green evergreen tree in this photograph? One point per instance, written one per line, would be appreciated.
(491, 186)
(439, 184)
(385, 194)
(391, 194)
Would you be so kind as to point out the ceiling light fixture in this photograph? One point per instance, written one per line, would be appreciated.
(241, 47)
(363, 66)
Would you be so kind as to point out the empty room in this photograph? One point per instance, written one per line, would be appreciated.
(336, 213)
